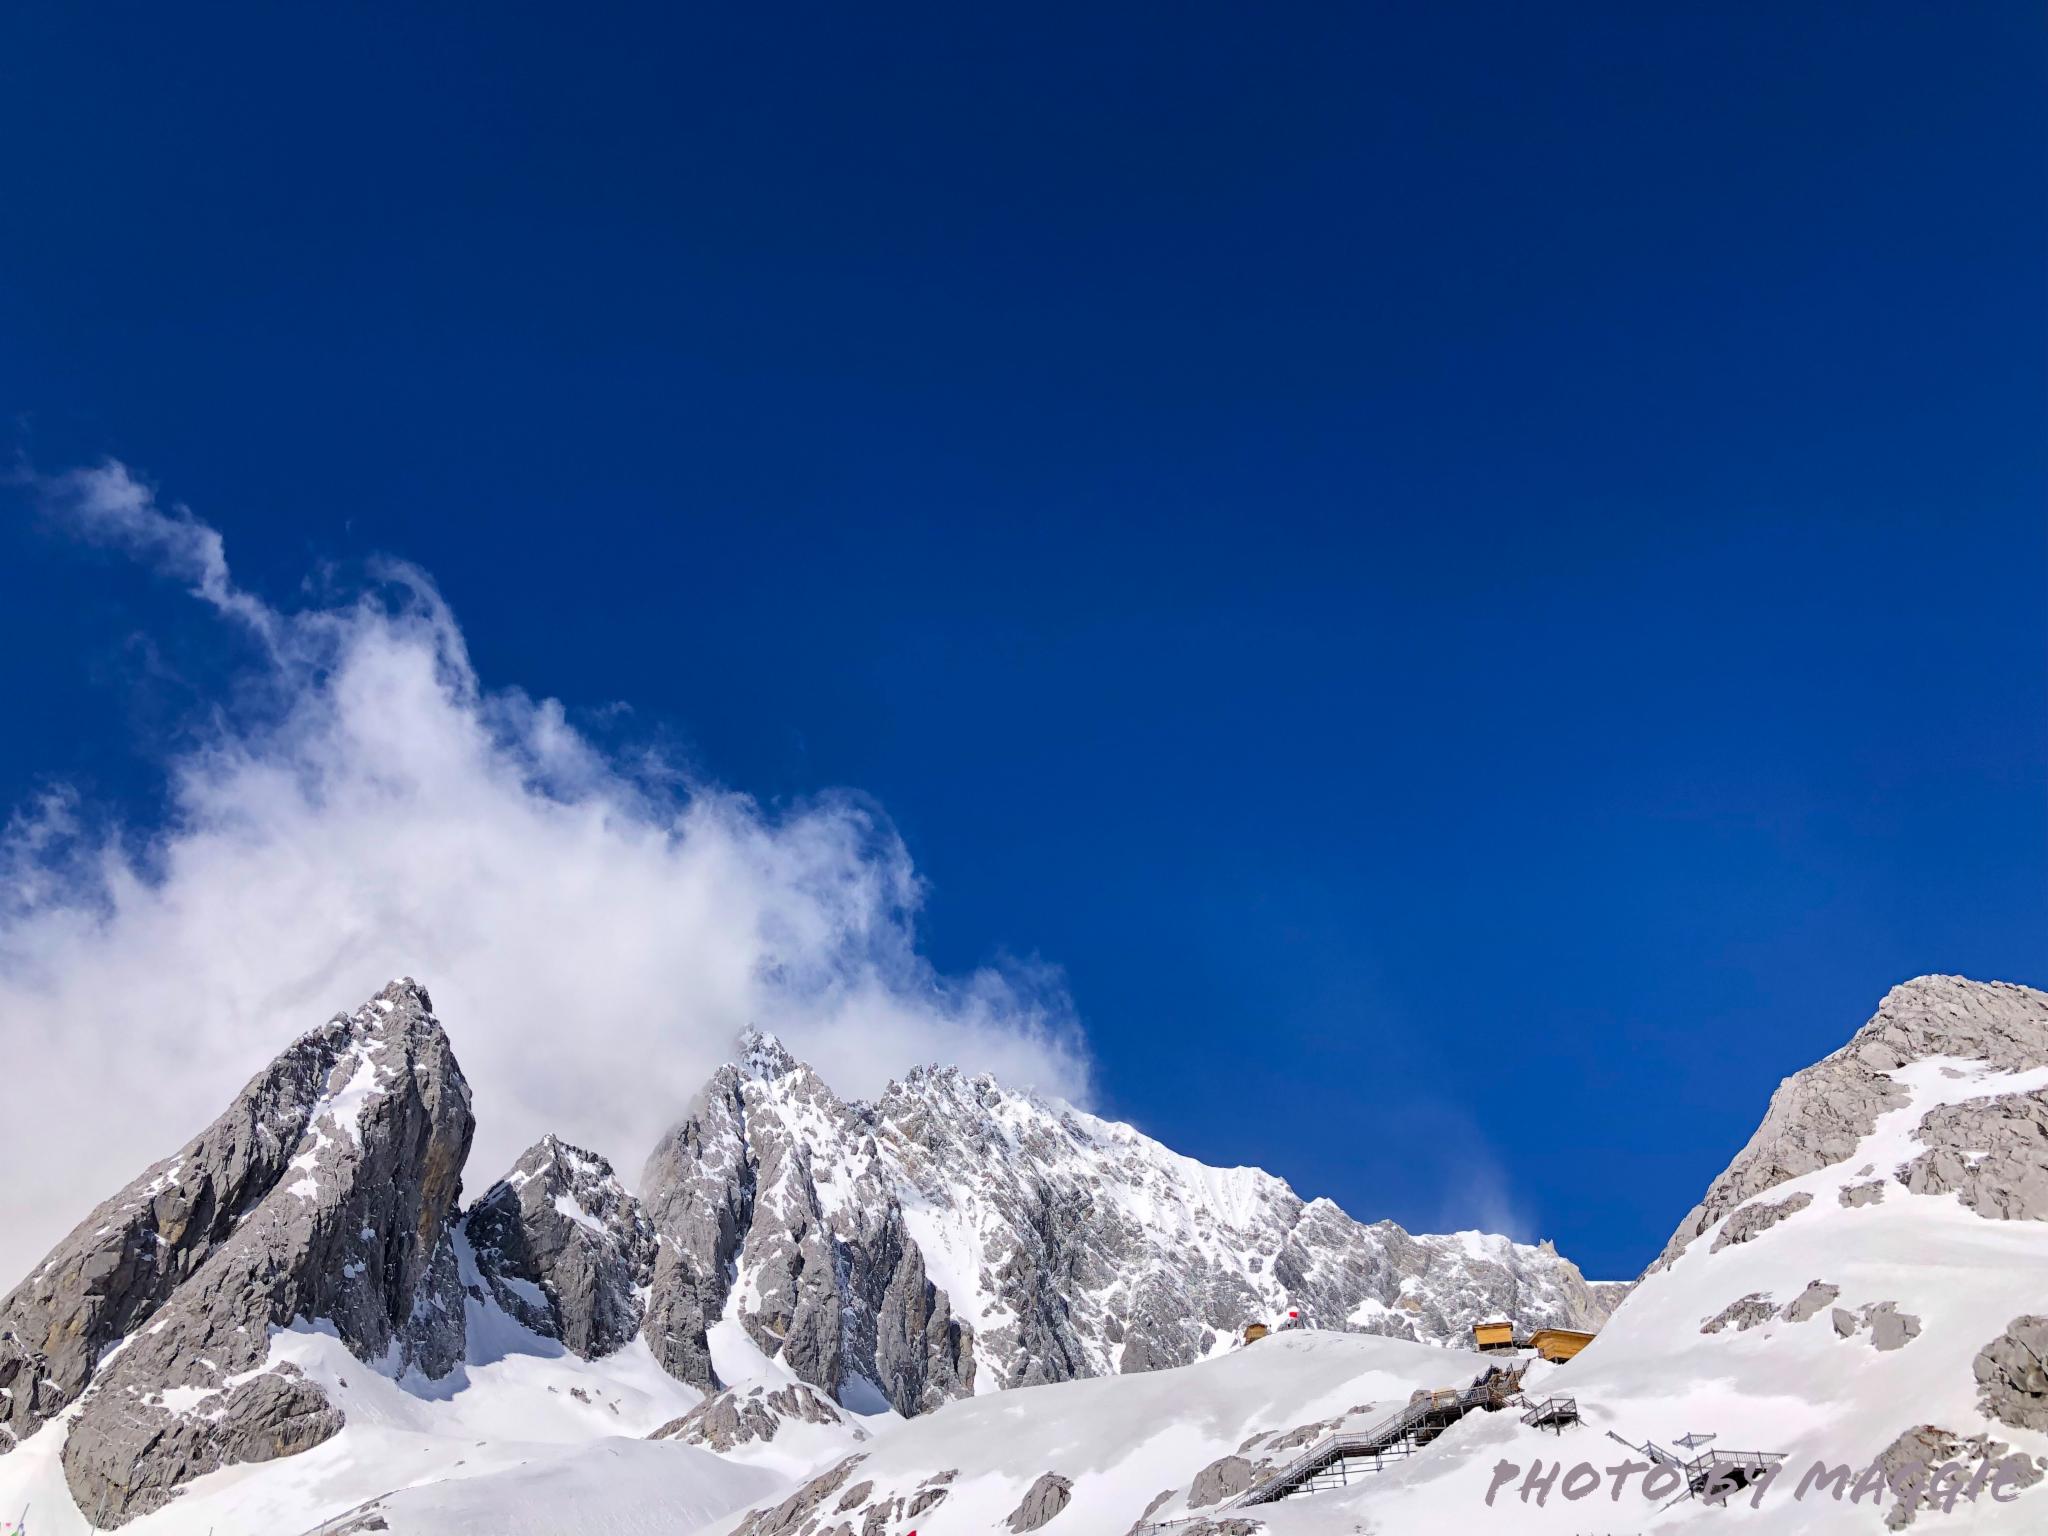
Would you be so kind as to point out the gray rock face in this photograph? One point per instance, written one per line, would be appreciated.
(124, 1260)
(2012, 1375)
(1042, 1500)
(1810, 1302)
(1742, 1314)
(564, 1248)
(734, 1418)
(698, 1192)
(1757, 1217)
(1817, 1116)
(801, 1509)
(1993, 1152)
(275, 1414)
(772, 1177)
(1889, 1327)
(1222, 1479)
(923, 1354)
(955, 1234)
(1923, 1448)
(325, 1192)
(1853, 1195)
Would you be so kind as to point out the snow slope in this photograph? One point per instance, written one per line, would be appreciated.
(1801, 1387)
(605, 1488)
(1123, 1441)
(522, 1411)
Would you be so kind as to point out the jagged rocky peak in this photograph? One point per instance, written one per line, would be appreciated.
(955, 1235)
(762, 1055)
(774, 1211)
(1818, 1116)
(325, 1192)
(564, 1248)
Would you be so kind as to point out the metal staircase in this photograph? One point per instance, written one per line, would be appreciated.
(1335, 1461)
(1552, 1413)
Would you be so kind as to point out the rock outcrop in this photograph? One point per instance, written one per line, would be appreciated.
(1758, 1217)
(2012, 1375)
(564, 1248)
(324, 1194)
(1811, 1302)
(801, 1510)
(1992, 1152)
(1224, 1478)
(1041, 1502)
(1742, 1314)
(741, 1416)
(1817, 1116)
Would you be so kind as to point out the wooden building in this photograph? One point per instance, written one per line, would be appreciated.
(1491, 1336)
(1558, 1343)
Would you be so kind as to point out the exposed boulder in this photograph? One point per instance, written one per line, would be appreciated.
(1809, 1302)
(1910, 1460)
(1042, 1500)
(564, 1248)
(1224, 1478)
(1889, 1327)
(2012, 1375)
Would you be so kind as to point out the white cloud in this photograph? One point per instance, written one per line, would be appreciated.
(108, 505)
(594, 932)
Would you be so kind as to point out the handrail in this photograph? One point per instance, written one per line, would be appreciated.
(1542, 1405)
(1377, 1438)
(1491, 1389)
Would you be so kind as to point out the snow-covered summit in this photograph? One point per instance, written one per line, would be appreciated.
(759, 1054)
(955, 1237)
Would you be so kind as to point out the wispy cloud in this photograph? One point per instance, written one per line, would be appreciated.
(594, 929)
(108, 504)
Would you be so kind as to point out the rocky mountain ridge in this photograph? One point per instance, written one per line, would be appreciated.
(951, 1238)
(1859, 1290)
(956, 1237)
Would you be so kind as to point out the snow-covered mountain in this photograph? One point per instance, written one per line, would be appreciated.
(809, 1320)
(300, 1282)
(1865, 1288)
(955, 1237)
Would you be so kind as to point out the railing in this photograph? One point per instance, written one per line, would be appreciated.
(1400, 1434)
(1552, 1413)
(336, 1522)
(1441, 1409)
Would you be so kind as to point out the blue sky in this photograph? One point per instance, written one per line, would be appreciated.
(1472, 578)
